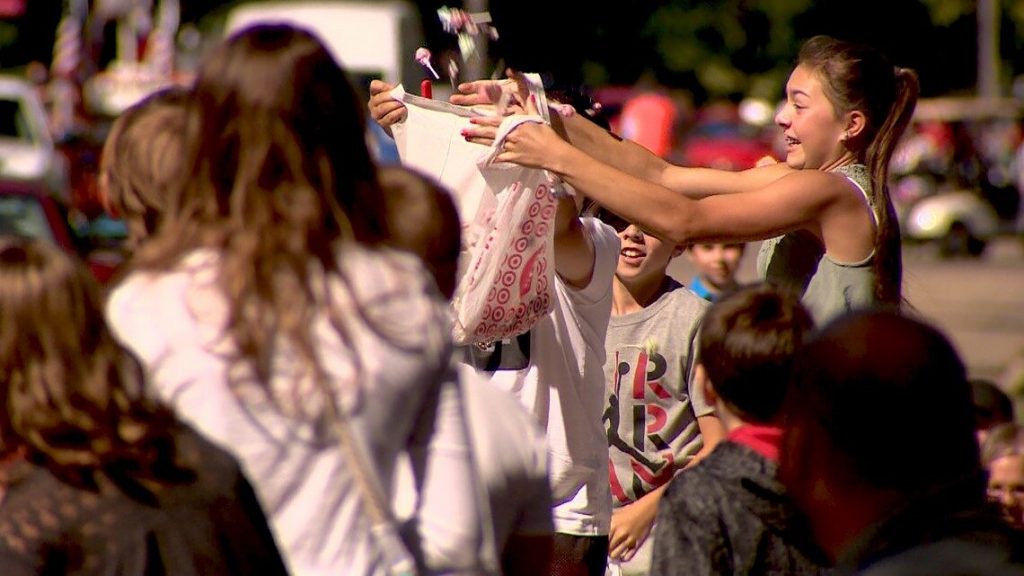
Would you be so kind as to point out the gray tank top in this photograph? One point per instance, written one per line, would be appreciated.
(798, 260)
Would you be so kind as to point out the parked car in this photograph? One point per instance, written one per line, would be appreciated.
(941, 179)
(29, 210)
(719, 138)
(958, 221)
(27, 151)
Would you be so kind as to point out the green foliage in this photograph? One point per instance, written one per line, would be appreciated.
(735, 48)
(1015, 12)
(8, 34)
(723, 48)
(946, 12)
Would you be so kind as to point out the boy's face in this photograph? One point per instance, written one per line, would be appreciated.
(642, 257)
(716, 264)
(1006, 486)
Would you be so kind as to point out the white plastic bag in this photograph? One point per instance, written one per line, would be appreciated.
(506, 269)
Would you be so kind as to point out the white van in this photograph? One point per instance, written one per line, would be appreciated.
(369, 39)
(27, 150)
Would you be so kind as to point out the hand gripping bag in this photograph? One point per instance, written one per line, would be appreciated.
(506, 269)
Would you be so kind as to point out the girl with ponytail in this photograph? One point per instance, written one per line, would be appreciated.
(824, 213)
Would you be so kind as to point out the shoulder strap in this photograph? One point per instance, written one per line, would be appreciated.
(399, 561)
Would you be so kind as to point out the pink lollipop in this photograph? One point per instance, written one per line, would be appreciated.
(423, 57)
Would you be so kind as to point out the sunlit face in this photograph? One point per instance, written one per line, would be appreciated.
(812, 132)
(716, 264)
(1006, 486)
(642, 257)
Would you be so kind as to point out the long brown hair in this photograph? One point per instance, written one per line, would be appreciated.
(858, 77)
(73, 397)
(279, 176)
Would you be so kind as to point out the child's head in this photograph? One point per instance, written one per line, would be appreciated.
(142, 160)
(716, 265)
(858, 390)
(643, 257)
(1003, 457)
(992, 406)
(277, 163)
(422, 219)
(748, 340)
(878, 417)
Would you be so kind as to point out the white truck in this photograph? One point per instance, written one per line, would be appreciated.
(369, 39)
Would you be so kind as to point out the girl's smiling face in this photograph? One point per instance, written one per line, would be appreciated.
(814, 134)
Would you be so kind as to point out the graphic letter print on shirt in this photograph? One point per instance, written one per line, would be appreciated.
(635, 426)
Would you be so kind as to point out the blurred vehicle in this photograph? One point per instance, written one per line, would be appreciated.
(649, 118)
(941, 182)
(371, 40)
(958, 221)
(27, 151)
(719, 138)
(28, 210)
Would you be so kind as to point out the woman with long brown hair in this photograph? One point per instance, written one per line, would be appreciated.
(100, 478)
(272, 316)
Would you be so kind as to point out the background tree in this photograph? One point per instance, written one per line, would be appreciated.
(716, 48)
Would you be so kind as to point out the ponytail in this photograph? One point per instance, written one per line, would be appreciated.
(888, 261)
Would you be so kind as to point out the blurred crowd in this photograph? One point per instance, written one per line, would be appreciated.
(476, 361)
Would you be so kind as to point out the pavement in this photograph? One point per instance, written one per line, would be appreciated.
(977, 302)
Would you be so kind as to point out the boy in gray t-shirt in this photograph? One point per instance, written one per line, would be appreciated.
(657, 419)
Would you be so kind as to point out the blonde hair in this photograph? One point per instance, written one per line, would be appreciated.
(1001, 441)
(142, 160)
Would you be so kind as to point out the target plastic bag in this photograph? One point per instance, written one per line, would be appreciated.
(506, 269)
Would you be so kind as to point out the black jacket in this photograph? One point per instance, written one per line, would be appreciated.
(212, 525)
(729, 515)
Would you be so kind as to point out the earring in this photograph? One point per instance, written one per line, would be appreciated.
(846, 136)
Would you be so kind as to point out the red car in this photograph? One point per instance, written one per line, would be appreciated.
(720, 139)
(27, 210)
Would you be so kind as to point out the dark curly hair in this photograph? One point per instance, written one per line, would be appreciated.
(74, 399)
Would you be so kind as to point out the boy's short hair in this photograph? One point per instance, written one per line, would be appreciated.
(143, 157)
(748, 340)
(423, 219)
(992, 406)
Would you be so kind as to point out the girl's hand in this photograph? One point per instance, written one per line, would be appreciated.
(531, 144)
(483, 131)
